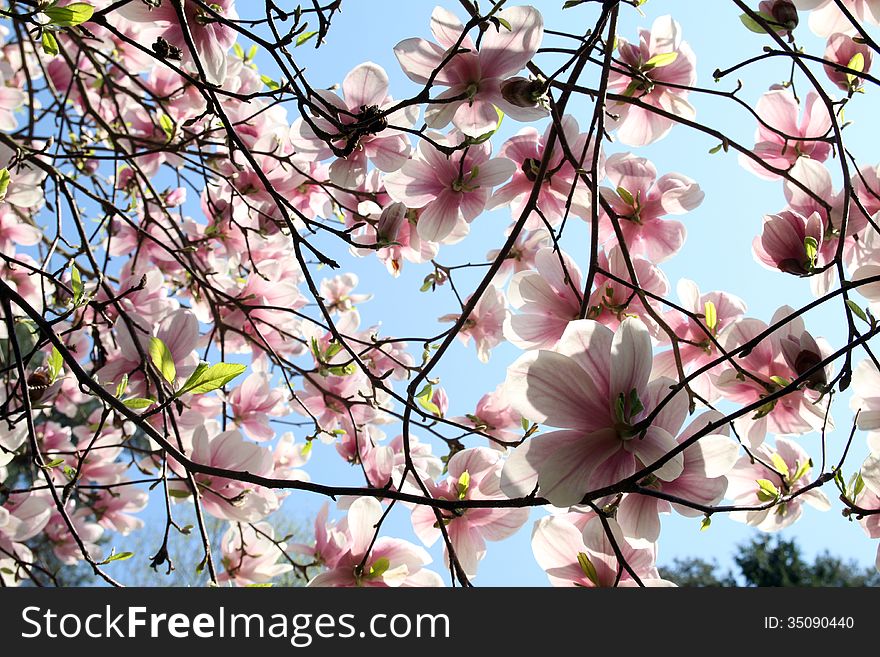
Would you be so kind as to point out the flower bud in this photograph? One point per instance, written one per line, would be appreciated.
(785, 13)
(390, 221)
(522, 92)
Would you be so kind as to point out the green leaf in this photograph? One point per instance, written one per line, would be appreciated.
(858, 312)
(302, 38)
(269, 82)
(343, 370)
(802, 469)
(162, 359)
(767, 492)
(121, 556)
(626, 197)
(711, 315)
(424, 399)
(659, 60)
(715, 149)
(178, 493)
(379, 567)
(780, 464)
(54, 463)
(857, 63)
(121, 386)
(464, 482)
(138, 402)
(504, 23)
(588, 568)
(754, 26)
(524, 423)
(262, 585)
(167, 125)
(70, 15)
(54, 362)
(5, 179)
(635, 404)
(859, 486)
(205, 379)
(332, 349)
(811, 249)
(704, 525)
(76, 285)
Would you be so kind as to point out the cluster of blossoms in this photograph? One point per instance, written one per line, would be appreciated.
(153, 328)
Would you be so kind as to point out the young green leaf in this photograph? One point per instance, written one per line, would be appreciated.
(70, 15)
(54, 363)
(302, 38)
(120, 556)
(54, 463)
(167, 125)
(5, 179)
(121, 386)
(704, 525)
(857, 311)
(76, 285)
(754, 26)
(857, 63)
(659, 60)
(212, 378)
(588, 568)
(137, 403)
(162, 359)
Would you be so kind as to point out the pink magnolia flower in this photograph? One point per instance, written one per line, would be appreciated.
(212, 38)
(114, 509)
(330, 541)
(225, 498)
(869, 498)
(449, 190)
(844, 51)
(611, 301)
(772, 364)
(396, 235)
(495, 418)
(586, 557)
(474, 76)
(484, 324)
(526, 151)
(254, 402)
(11, 99)
(337, 293)
(775, 474)
(719, 310)
(289, 457)
(15, 232)
(472, 474)
(826, 18)
(790, 242)
(250, 554)
(866, 401)
(702, 479)
(365, 130)
(640, 201)
(390, 562)
(179, 332)
(12, 436)
(780, 140)
(63, 544)
(594, 386)
(661, 58)
(547, 298)
(522, 256)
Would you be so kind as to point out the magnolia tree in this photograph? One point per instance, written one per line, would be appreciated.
(185, 210)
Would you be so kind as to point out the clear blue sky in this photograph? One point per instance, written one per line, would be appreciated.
(717, 253)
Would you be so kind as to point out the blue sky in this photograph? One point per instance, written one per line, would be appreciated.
(717, 253)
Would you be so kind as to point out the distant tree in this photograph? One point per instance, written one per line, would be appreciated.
(768, 561)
